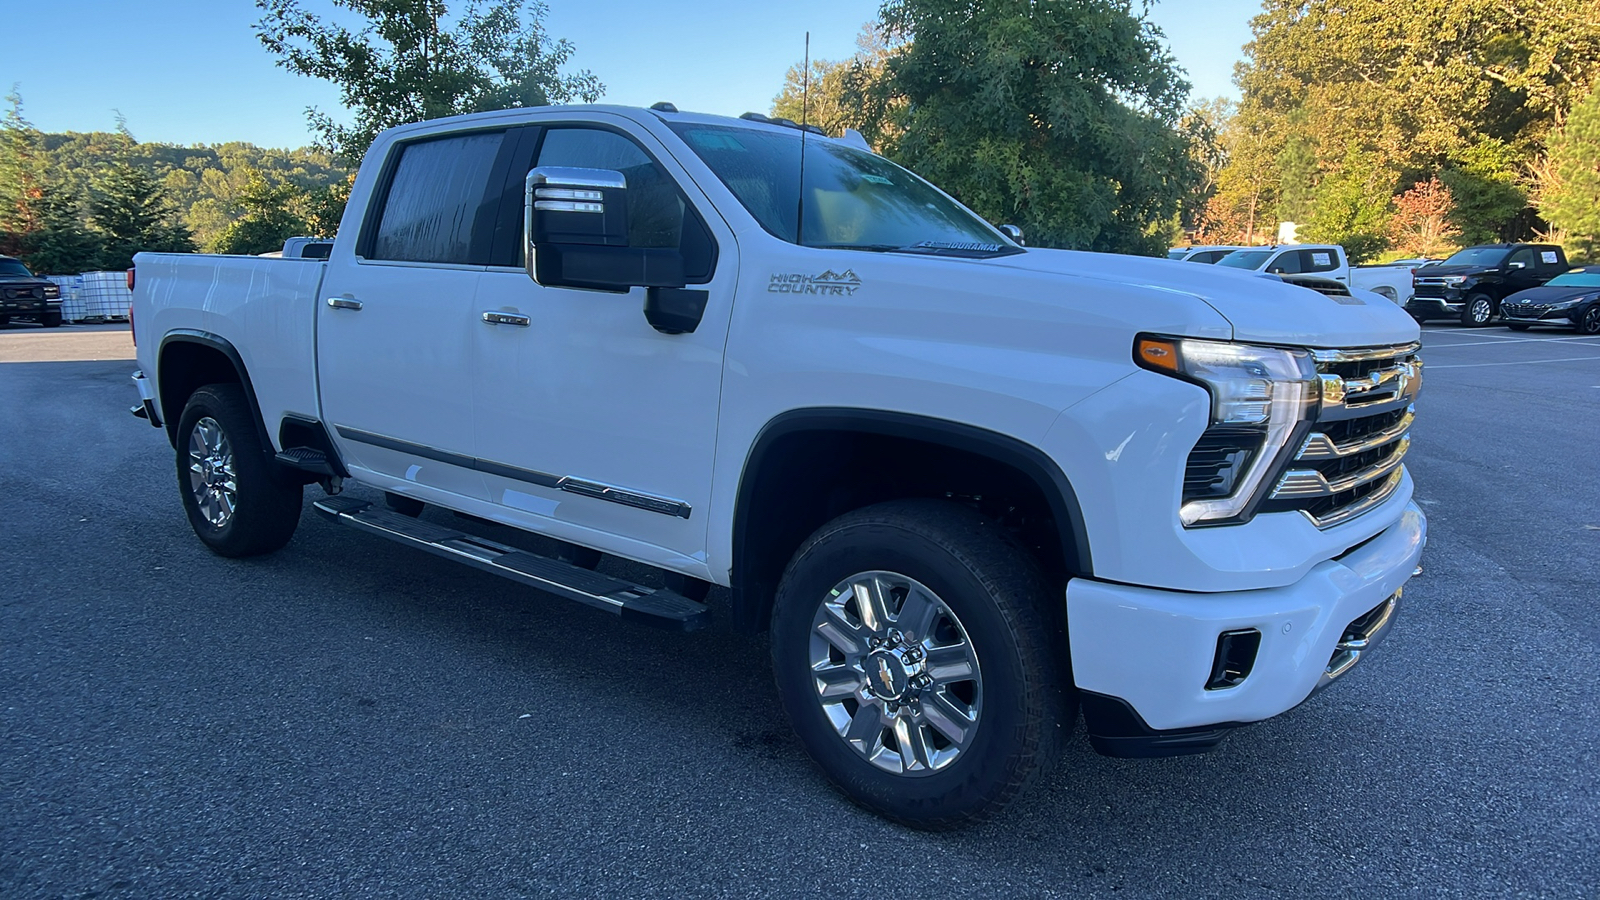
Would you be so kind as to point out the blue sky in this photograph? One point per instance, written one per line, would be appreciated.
(191, 71)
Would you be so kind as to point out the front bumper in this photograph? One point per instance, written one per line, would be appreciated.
(1142, 657)
(1566, 315)
(1434, 307)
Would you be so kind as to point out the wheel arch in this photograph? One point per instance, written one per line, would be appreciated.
(189, 359)
(798, 474)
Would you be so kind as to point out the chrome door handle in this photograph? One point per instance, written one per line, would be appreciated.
(500, 318)
(343, 303)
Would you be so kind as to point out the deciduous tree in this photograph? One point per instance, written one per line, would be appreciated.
(1057, 115)
(412, 60)
(1422, 221)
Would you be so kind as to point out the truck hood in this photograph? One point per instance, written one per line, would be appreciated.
(1260, 308)
(1442, 271)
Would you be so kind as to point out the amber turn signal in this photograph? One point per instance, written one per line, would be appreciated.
(1156, 354)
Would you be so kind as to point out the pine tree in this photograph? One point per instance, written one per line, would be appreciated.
(132, 214)
(1571, 197)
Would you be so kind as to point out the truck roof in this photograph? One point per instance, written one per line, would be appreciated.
(757, 122)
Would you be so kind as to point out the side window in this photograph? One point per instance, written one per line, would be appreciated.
(1524, 256)
(1318, 261)
(658, 215)
(1286, 263)
(1549, 261)
(435, 198)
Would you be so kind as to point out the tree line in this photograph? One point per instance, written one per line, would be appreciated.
(79, 202)
(1398, 130)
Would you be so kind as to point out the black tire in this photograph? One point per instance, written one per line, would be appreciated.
(266, 504)
(1516, 326)
(405, 506)
(1010, 619)
(1590, 323)
(1478, 310)
(50, 319)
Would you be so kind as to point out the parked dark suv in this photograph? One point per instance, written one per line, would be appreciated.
(1470, 285)
(24, 295)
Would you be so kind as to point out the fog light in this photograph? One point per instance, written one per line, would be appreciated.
(1236, 656)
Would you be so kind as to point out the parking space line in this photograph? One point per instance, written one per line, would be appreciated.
(1525, 362)
(1452, 331)
(1502, 342)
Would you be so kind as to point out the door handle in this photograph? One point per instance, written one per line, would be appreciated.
(343, 303)
(500, 318)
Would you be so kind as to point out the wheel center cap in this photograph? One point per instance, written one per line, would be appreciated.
(888, 676)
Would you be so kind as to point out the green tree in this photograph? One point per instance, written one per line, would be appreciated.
(269, 217)
(21, 177)
(1571, 197)
(845, 94)
(1056, 115)
(410, 60)
(1487, 188)
(62, 245)
(1469, 89)
(1351, 206)
(131, 213)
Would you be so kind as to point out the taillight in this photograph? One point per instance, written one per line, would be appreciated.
(130, 278)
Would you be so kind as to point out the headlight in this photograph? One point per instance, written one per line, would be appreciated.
(1453, 279)
(1259, 395)
(52, 292)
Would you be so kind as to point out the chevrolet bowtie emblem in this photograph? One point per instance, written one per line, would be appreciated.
(884, 674)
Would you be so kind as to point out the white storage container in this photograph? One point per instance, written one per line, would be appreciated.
(73, 308)
(106, 295)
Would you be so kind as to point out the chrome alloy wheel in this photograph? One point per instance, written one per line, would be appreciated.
(895, 673)
(1481, 311)
(211, 475)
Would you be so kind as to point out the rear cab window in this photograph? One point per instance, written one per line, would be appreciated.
(437, 206)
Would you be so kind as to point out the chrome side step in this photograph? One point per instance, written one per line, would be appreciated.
(653, 606)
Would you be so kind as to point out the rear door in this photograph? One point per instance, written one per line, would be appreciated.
(396, 322)
(591, 425)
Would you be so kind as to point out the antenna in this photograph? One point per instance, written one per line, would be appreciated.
(805, 99)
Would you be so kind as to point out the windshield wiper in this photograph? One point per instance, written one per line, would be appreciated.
(927, 248)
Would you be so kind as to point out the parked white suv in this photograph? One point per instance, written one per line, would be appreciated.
(968, 487)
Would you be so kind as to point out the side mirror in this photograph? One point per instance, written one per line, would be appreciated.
(575, 228)
(1517, 265)
(1015, 233)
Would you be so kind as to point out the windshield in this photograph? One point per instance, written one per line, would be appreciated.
(1478, 256)
(1580, 278)
(14, 268)
(1245, 259)
(853, 200)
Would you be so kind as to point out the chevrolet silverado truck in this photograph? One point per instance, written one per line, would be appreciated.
(24, 295)
(967, 488)
(1392, 282)
(1470, 285)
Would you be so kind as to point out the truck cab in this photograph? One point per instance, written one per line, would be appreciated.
(1470, 285)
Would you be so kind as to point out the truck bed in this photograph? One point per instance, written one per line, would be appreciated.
(264, 308)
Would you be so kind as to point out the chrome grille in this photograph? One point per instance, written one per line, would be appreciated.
(1353, 458)
(1428, 287)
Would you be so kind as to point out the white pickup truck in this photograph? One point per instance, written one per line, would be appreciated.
(969, 488)
(1392, 282)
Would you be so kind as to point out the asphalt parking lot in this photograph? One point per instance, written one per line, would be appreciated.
(349, 718)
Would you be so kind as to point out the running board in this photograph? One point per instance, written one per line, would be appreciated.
(653, 606)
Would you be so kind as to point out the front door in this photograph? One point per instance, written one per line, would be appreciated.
(396, 320)
(591, 425)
